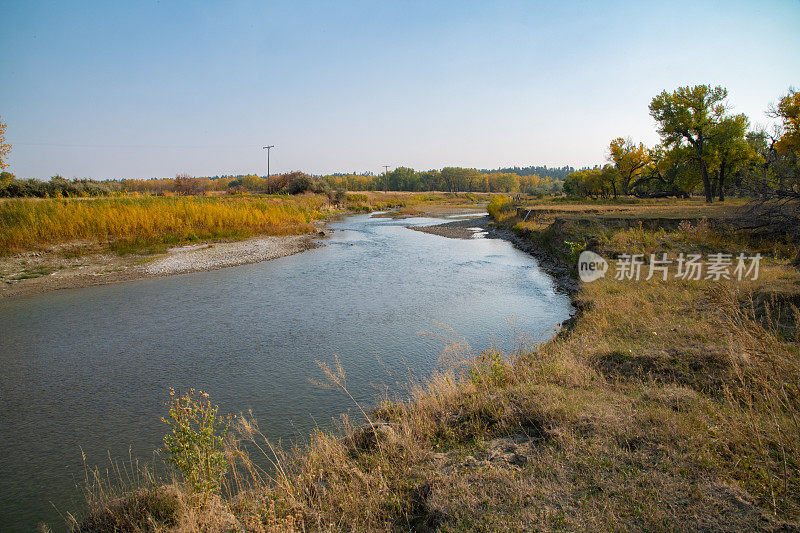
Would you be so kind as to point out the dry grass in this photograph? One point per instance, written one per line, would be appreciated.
(140, 222)
(147, 223)
(669, 405)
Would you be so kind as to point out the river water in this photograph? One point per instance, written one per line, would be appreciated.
(88, 370)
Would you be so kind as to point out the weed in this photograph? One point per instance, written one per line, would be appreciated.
(195, 442)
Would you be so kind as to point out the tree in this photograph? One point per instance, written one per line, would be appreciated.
(788, 110)
(185, 185)
(429, 180)
(502, 182)
(457, 179)
(668, 173)
(5, 180)
(402, 179)
(5, 148)
(590, 182)
(732, 152)
(629, 159)
(690, 115)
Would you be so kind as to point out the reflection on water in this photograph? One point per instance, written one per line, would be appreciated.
(90, 368)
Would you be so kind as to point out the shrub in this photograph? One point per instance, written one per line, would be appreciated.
(500, 207)
(300, 184)
(574, 250)
(488, 368)
(195, 444)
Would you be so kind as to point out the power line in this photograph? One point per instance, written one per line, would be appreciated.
(65, 145)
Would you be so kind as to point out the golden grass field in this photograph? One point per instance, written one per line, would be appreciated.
(137, 223)
(27, 224)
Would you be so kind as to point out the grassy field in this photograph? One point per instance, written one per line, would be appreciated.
(667, 405)
(126, 224)
(134, 223)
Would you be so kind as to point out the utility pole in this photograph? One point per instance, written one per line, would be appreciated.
(386, 176)
(267, 148)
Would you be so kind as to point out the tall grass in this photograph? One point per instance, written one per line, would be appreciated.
(131, 222)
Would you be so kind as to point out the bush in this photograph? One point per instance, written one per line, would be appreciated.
(300, 184)
(57, 187)
(195, 445)
(500, 207)
(337, 196)
(304, 183)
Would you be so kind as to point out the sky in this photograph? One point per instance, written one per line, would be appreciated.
(145, 89)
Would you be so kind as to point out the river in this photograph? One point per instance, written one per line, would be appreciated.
(87, 371)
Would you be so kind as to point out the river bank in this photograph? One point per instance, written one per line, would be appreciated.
(75, 263)
(43, 271)
(664, 406)
(249, 336)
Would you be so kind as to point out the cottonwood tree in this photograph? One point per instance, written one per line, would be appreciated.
(668, 173)
(691, 116)
(591, 182)
(402, 179)
(731, 150)
(774, 174)
(5, 148)
(5, 180)
(459, 179)
(788, 111)
(185, 185)
(629, 159)
(774, 171)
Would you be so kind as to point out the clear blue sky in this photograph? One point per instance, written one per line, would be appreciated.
(143, 89)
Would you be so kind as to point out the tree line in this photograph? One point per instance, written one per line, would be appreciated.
(452, 179)
(449, 179)
(556, 173)
(703, 149)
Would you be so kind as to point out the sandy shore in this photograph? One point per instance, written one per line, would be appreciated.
(465, 228)
(38, 272)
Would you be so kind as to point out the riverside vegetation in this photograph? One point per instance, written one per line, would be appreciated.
(150, 223)
(53, 243)
(665, 405)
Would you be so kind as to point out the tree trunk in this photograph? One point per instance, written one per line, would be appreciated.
(707, 186)
(721, 183)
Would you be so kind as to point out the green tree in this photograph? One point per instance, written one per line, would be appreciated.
(430, 180)
(731, 150)
(5, 180)
(455, 178)
(668, 173)
(629, 159)
(590, 182)
(403, 179)
(691, 115)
